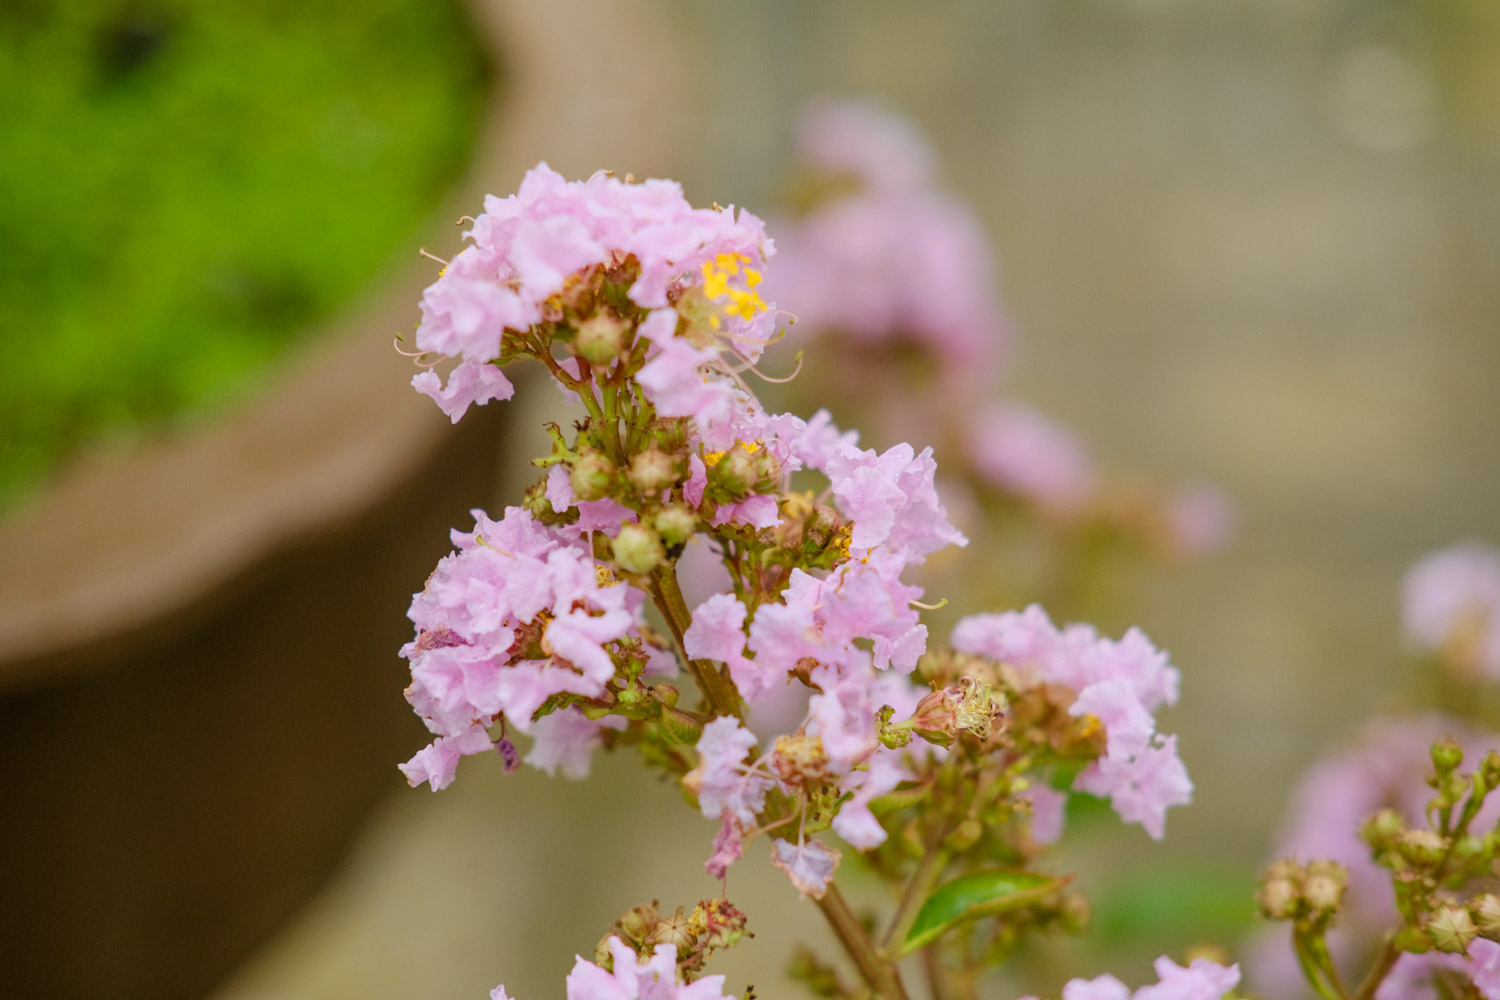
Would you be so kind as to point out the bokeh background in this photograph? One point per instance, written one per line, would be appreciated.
(1257, 242)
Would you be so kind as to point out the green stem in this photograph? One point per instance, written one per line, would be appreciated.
(1382, 967)
(718, 691)
(880, 974)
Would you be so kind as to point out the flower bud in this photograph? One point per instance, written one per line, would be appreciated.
(592, 476)
(767, 473)
(637, 549)
(1383, 830)
(1280, 893)
(1447, 755)
(670, 434)
(601, 338)
(1450, 929)
(534, 501)
(638, 922)
(1323, 888)
(936, 717)
(674, 930)
(1485, 909)
(652, 471)
(735, 474)
(675, 525)
(1422, 848)
(965, 835)
(1490, 769)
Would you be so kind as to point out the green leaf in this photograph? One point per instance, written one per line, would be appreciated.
(975, 895)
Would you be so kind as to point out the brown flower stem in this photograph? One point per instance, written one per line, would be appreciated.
(718, 691)
(1382, 967)
(878, 973)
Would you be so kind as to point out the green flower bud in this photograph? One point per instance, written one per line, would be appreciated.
(1280, 894)
(675, 931)
(1450, 929)
(1382, 830)
(637, 549)
(637, 924)
(735, 473)
(592, 476)
(675, 525)
(767, 472)
(601, 338)
(965, 835)
(1447, 755)
(1422, 848)
(1490, 769)
(668, 694)
(670, 434)
(652, 471)
(535, 502)
(1485, 909)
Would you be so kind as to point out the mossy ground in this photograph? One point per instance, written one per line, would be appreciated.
(187, 188)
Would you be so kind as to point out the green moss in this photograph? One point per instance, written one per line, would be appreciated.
(187, 188)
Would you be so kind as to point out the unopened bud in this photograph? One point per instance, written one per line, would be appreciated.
(670, 434)
(603, 956)
(965, 835)
(601, 337)
(637, 549)
(767, 472)
(1323, 889)
(1450, 929)
(674, 930)
(1485, 909)
(1383, 830)
(1447, 755)
(592, 476)
(1074, 913)
(1490, 769)
(652, 471)
(1278, 898)
(936, 717)
(735, 473)
(1422, 848)
(675, 525)
(638, 923)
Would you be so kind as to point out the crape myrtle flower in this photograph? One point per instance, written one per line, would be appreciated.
(516, 614)
(525, 249)
(654, 979)
(1200, 980)
(1019, 450)
(1452, 607)
(1121, 683)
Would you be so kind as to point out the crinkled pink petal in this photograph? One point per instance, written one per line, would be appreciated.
(436, 763)
(567, 739)
(855, 822)
(1143, 788)
(728, 846)
(1105, 987)
(810, 865)
(1201, 980)
(758, 511)
(471, 383)
(1128, 727)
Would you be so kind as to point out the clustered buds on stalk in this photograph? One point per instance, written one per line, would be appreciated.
(945, 770)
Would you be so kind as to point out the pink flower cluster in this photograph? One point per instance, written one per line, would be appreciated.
(526, 247)
(1119, 682)
(896, 259)
(1200, 980)
(517, 614)
(1452, 607)
(654, 979)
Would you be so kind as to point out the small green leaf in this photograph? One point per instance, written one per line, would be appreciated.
(975, 895)
(891, 802)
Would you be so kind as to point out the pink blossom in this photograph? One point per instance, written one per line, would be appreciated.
(676, 385)
(655, 979)
(1200, 520)
(525, 247)
(1484, 967)
(567, 739)
(724, 784)
(1128, 726)
(717, 633)
(891, 500)
(1015, 448)
(760, 511)
(1452, 605)
(1201, 980)
(1105, 987)
(854, 822)
(470, 383)
(809, 864)
(728, 846)
(1048, 813)
(436, 764)
(1141, 788)
(859, 139)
